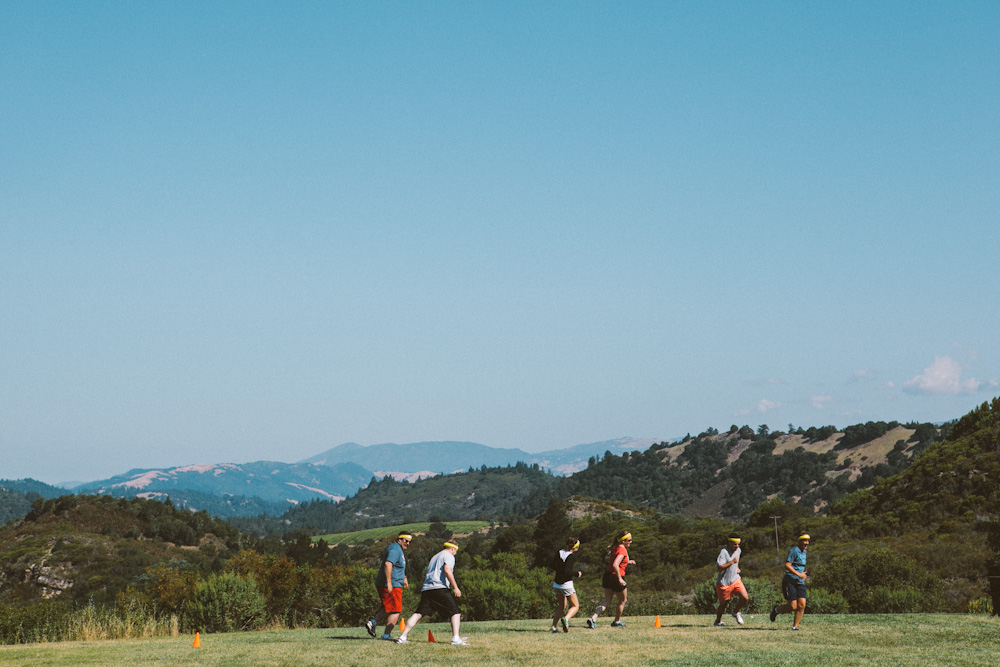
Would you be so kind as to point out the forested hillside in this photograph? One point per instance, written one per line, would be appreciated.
(514, 490)
(954, 480)
(730, 474)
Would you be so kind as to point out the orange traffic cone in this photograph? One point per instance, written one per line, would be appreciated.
(430, 636)
(402, 624)
(656, 623)
(197, 640)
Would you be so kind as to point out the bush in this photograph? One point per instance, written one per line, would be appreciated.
(822, 601)
(226, 603)
(981, 606)
(885, 600)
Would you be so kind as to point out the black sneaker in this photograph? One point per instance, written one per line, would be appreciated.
(370, 627)
(618, 624)
(774, 613)
(591, 624)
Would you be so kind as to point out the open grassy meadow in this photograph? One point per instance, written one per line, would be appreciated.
(830, 641)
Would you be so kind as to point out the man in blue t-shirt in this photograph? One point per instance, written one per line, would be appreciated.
(390, 582)
(793, 584)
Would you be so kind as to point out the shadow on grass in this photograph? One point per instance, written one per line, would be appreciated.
(351, 638)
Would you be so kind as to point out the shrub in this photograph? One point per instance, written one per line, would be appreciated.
(981, 606)
(822, 601)
(885, 600)
(226, 603)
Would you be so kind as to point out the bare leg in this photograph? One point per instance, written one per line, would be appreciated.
(720, 611)
(456, 620)
(412, 621)
(390, 622)
(622, 596)
(574, 606)
(560, 608)
(800, 608)
(608, 595)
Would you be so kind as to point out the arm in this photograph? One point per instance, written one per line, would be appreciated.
(794, 572)
(451, 579)
(614, 566)
(388, 575)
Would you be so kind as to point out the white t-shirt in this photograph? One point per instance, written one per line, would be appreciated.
(729, 576)
(435, 571)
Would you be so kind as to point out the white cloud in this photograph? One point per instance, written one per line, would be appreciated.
(944, 376)
(765, 405)
(742, 413)
(820, 401)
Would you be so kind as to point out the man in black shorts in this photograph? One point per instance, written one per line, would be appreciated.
(438, 594)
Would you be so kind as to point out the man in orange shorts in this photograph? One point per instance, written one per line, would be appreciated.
(728, 581)
(390, 582)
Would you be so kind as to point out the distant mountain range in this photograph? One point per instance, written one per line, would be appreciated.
(248, 489)
(426, 459)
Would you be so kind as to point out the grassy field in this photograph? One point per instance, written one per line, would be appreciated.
(359, 536)
(830, 641)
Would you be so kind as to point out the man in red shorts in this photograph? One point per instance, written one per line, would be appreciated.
(390, 582)
(728, 581)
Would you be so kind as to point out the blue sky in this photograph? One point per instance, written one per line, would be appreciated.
(234, 231)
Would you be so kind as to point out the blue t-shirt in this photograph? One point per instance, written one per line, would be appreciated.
(394, 555)
(797, 557)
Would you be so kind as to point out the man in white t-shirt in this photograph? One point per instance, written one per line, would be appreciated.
(728, 581)
(438, 594)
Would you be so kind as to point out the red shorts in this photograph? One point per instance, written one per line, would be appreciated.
(392, 601)
(725, 592)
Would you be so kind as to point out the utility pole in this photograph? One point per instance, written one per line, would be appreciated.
(777, 549)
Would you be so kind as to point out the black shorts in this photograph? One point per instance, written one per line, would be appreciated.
(610, 582)
(437, 599)
(793, 588)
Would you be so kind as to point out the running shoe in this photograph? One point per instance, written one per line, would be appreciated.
(739, 617)
(774, 613)
(564, 623)
(618, 624)
(553, 630)
(387, 638)
(459, 641)
(591, 624)
(719, 624)
(370, 627)
(795, 627)
(402, 640)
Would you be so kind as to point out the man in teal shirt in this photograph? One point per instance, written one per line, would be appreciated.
(793, 584)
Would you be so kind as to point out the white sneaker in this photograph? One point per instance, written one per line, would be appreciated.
(719, 624)
(402, 640)
(739, 617)
(459, 641)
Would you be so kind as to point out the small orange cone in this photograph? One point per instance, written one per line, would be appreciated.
(656, 623)
(197, 640)
(430, 637)
(402, 623)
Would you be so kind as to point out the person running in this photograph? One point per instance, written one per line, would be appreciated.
(728, 581)
(562, 585)
(390, 582)
(613, 581)
(793, 584)
(438, 594)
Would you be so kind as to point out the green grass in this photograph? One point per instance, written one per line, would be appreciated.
(359, 536)
(830, 641)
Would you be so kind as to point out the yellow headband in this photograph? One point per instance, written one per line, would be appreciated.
(575, 545)
(404, 536)
(626, 536)
(735, 540)
(451, 545)
(804, 536)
